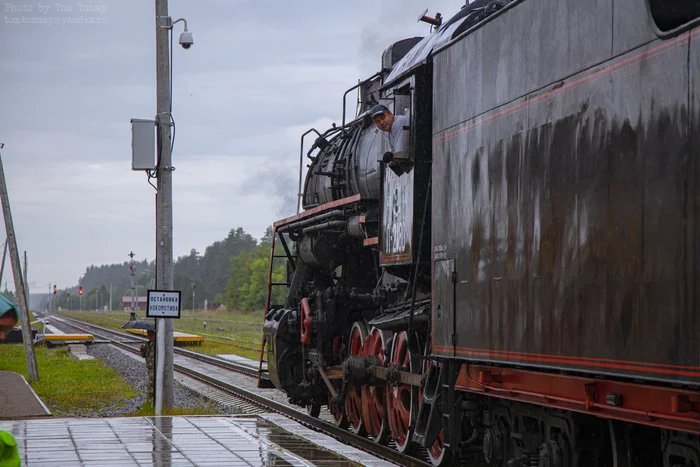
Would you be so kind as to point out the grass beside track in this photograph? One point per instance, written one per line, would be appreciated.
(208, 408)
(236, 333)
(69, 386)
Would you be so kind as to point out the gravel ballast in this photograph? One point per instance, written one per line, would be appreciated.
(134, 371)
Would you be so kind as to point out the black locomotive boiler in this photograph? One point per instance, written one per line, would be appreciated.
(525, 290)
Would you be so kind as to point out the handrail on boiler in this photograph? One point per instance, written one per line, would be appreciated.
(334, 129)
(378, 74)
(301, 164)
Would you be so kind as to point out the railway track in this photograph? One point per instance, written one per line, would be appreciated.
(240, 381)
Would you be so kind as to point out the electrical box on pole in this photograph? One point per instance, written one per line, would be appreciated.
(143, 144)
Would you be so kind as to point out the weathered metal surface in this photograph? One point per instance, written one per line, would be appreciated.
(529, 46)
(566, 197)
(347, 166)
(397, 218)
(632, 24)
(443, 306)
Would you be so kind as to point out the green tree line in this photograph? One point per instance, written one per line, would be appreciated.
(232, 272)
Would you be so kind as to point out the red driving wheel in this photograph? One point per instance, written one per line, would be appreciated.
(338, 413)
(373, 397)
(436, 452)
(305, 321)
(353, 396)
(401, 400)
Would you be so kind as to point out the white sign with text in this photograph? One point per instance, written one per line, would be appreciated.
(163, 304)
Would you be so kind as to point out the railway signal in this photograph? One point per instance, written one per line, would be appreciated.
(80, 297)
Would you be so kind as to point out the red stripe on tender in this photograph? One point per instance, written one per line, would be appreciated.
(601, 363)
(602, 73)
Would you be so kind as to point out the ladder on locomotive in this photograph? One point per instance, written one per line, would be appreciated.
(264, 382)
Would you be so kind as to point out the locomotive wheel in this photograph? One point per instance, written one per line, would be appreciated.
(353, 396)
(373, 397)
(401, 400)
(313, 409)
(338, 413)
(439, 456)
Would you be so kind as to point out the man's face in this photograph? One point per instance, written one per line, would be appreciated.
(6, 325)
(384, 121)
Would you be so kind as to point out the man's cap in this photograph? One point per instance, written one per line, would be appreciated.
(378, 110)
(7, 308)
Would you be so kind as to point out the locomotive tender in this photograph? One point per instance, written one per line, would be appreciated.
(527, 292)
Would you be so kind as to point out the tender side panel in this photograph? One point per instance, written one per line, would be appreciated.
(518, 53)
(567, 211)
(444, 305)
(632, 25)
(475, 224)
(691, 325)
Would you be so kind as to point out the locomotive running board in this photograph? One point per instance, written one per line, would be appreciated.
(323, 207)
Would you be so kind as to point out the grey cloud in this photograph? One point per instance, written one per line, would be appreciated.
(258, 73)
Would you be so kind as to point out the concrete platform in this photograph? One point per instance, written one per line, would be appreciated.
(18, 399)
(178, 337)
(179, 441)
(64, 338)
(58, 336)
(253, 364)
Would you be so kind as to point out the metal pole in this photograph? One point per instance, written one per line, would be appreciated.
(164, 205)
(110, 296)
(21, 297)
(2, 268)
(131, 276)
(26, 282)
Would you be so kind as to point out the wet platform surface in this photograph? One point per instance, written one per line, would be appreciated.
(177, 441)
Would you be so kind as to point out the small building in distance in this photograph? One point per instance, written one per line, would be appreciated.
(140, 303)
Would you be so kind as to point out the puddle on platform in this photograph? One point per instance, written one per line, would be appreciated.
(166, 442)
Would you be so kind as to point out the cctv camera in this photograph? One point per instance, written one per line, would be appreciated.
(186, 40)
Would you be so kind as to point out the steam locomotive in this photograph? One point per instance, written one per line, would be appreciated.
(525, 291)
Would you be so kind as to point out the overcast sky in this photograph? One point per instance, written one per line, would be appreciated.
(259, 74)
